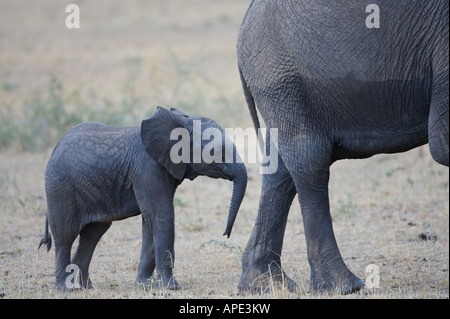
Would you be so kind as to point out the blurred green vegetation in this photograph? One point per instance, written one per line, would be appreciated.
(48, 114)
(38, 121)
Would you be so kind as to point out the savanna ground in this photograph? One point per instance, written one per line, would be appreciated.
(127, 58)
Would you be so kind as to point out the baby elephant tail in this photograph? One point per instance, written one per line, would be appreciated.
(47, 240)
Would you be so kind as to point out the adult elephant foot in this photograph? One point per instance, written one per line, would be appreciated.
(343, 282)
(259, 281)
(254, 280)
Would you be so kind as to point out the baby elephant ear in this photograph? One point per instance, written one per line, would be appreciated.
(155, 135)
(174, 110)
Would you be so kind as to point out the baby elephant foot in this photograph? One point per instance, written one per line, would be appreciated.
(345, 283)
(158, 282)
(71, 286)
(73, 282)
(163, 283)
(258, 282)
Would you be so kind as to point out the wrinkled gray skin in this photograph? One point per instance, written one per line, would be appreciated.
(98, 174)
(336, 89)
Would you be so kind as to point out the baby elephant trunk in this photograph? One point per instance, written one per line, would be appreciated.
(239, 187)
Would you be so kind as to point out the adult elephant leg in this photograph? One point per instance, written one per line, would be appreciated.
(89, 238)
(147, 261)
(261, 261)
(308, 160)
(438, 122)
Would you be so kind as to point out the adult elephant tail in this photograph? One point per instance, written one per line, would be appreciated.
(252, 108)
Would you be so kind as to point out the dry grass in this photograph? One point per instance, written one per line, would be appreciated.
(129, 57)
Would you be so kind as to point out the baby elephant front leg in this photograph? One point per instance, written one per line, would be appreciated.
(158, 231)
(164, 235)
(158, 235)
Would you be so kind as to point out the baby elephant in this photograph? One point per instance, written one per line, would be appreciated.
(98, 174)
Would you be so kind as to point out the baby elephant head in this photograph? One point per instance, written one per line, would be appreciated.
(191, 146)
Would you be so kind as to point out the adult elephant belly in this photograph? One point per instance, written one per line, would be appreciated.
(360, 118)
(371, 117)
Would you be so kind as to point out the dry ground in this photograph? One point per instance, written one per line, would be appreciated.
(130, 56)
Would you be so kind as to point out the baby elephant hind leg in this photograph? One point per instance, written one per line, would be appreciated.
(62, 261)
(89, 238)
(64, 235)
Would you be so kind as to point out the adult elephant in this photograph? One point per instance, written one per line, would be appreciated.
(335, 88)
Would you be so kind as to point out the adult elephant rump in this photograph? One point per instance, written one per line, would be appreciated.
(336, 89)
